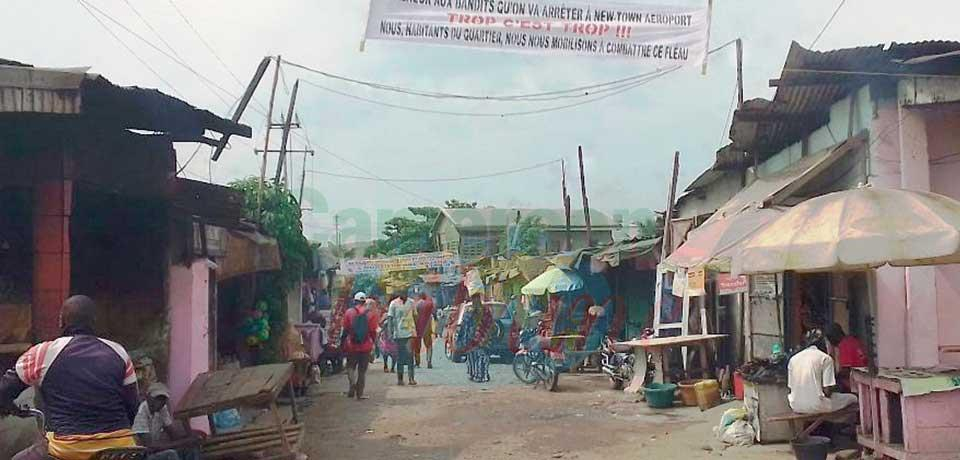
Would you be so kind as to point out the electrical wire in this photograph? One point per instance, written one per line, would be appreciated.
(568, 92)
(445, 179)
(827, 25)
(129, 49)
(496, 114)
(376, 177)
(186, 66)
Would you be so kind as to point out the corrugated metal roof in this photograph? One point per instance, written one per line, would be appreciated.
(811, 81)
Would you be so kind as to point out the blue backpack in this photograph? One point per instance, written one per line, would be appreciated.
(361, 327)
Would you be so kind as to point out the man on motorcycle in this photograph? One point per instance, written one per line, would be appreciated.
(87, 386)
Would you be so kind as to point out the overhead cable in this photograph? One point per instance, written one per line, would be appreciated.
(827, 25)
(444, 179)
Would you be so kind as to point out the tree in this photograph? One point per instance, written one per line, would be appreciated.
(524, 239)
(406, 235)
(454, 203)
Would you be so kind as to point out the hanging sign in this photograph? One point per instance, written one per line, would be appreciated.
(728, 284)
(679, 282)
(696, 282)
(421, 261)
(659, 34)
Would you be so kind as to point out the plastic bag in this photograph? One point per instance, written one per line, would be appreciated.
(739, 433)
(732, 415)
(227, 420)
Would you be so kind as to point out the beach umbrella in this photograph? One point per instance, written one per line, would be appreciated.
(855, 230)
(553, 280)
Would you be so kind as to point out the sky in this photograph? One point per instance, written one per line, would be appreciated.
(628, 140)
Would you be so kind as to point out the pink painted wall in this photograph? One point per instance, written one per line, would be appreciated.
(929, 425)
(189, 325)
(943, 140)
(890, 282)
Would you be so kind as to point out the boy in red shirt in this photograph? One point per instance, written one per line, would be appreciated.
(848, 352)
(359, 329)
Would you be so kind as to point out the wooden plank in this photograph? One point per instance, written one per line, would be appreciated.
(234, 435)
(276, 416)
(254, 448)
(245, 442)
(14, 348)
(884, 413)
(214, 391)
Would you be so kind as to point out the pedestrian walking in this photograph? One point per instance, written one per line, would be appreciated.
(359, 328)
(425, 309)
(403, 321)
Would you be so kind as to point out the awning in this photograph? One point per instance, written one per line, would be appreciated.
(774, 187)
(714, 242)
(248, 252)
(630, 249)
(552, 281)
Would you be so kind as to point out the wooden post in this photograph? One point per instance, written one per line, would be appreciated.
(586, 203)
(706, 56)
(668, 214)
(568, 244)
(244, 100)
(303, 178)
(286, 133)
(739, 74)
(266, 141)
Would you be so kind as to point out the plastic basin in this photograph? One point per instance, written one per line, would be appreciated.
(811, 448)
(660, 395)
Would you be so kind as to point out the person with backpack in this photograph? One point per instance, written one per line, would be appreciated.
(359, 329)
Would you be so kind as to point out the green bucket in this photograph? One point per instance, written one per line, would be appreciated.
(660, 395)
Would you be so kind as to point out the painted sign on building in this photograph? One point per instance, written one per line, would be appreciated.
(422, 261)
(728, 284)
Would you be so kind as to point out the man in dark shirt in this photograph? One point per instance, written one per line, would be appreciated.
(87, 385)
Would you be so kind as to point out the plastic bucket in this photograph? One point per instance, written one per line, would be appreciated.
(811, 448)
(688, 394)
(660, 395)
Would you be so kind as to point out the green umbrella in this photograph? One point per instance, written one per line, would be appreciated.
(553, 280)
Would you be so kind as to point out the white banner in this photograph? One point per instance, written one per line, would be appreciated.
(421, 261)
(660, 34)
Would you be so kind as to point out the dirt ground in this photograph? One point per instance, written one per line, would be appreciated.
(447, 417)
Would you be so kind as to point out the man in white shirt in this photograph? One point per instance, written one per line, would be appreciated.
(810, 376)
(156, 429)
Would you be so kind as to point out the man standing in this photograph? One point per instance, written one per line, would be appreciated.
(810, 376)
(425, 309)
(359, 329)
(403, 321)
(87, 383)
(156, 429)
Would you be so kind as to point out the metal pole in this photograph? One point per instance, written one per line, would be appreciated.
(668, 214)
(586, 203)
(566, 204)
(266, 141)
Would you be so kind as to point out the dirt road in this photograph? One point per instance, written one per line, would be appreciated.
(446, 417)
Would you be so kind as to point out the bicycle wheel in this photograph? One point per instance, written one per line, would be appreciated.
(551, 376)
(523, 369)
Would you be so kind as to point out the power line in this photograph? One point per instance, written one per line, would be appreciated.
(89, 6)
(827, 25)
(130, 50)
(375, 177)
(445, 179)
(497, 114)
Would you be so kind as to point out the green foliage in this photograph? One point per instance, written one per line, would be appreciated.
(281, 219)
(406, 235)
(454, 203)
(527, 241)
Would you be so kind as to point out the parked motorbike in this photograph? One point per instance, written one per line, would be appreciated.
(618, 366)
(532, 364)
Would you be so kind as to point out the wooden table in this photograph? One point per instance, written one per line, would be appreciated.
(655, 347)
(256, 386)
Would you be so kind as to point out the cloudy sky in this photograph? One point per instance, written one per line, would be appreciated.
(628, 139)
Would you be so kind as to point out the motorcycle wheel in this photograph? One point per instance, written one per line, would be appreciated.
(523, 369)
(616, 383)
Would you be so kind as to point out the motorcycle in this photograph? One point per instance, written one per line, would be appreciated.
(617, 365)
(532, 364)
(119, 453)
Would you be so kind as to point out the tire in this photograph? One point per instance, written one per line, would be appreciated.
(553, 381)
(523, 370)
(616, 384)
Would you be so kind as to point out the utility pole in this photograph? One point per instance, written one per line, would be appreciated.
(281, 162)
(586, 203)
(566, 204)
(668, 214)
(266, 140)
(247, 95)
(303, 178)
(336, 226)
(739, 74)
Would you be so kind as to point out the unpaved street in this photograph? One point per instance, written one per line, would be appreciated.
(447, 417)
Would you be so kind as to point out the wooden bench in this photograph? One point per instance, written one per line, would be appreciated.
(797, 421)
(244, 443)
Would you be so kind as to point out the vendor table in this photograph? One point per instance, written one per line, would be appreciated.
(655, 347)
(256, 386)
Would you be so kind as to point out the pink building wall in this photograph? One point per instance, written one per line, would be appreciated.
(917, 314)
(189, 325)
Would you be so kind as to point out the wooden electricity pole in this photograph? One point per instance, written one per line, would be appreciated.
(266, 140)
(244, 100)
(668, 214)
(286, 133)
(566, 204)
(586, 203)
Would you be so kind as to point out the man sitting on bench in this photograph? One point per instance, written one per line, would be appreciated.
(810, 376)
